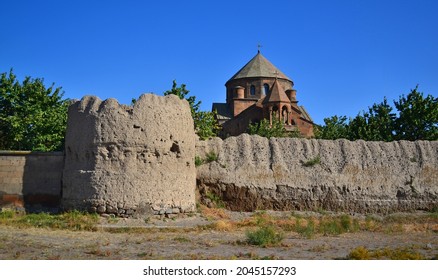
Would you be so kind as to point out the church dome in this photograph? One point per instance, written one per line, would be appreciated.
(259, 67)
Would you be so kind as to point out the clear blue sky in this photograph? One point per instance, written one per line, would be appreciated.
(343, 56)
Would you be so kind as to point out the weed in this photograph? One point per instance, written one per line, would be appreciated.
(198, 161)
(331, 227)
(215, 199)
(413, 159)
(359, 253)
(307, 230)
(311, 162)
(261, 218)
(362, 253)
(264, 236)
(74, 220)
(223, 225)
(213, 213)
(6, 214)
(211, 156)
(112, 219)
(41, 220)
(371, 223)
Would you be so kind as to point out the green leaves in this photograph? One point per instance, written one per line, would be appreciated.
(264, 128)
(31, 116)
(206, 125)
(335, 127)
(416, 119)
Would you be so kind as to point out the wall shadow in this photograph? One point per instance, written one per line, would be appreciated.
(42, 182)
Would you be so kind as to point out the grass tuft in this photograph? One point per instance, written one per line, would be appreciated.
(215, 199)
(264, 236)
(311, 162)
(211, 156)
(198, 161)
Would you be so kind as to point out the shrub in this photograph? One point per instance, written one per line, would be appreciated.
(359, 253)
(264, 236)
(308, 230)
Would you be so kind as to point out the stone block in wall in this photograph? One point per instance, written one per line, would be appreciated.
(130, 159)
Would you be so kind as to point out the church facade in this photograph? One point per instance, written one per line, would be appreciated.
(261, 91)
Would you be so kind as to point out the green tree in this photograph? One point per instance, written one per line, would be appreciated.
(206, 125)
(334, 127)
(418, 117)
(264, 128)
(32, 117)
(415, 118)
(182, 93)
(375, 125)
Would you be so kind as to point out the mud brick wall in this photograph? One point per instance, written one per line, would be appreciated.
(253, 173)
(30, 179)
(130, 160)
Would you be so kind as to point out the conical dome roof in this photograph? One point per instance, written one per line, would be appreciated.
(259, 66)
(276, 94)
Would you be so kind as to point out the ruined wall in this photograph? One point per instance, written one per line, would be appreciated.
(127, 160)
(367, 177)
(30, 180)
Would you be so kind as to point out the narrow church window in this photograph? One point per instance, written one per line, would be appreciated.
(265, 89)
(252, 90)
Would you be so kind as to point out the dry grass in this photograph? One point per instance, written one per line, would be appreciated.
(213, 213)
(362, 253)
(224, 225)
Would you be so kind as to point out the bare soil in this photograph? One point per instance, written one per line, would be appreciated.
(188, 238)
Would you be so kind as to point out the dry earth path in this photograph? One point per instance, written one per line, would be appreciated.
(191, 238)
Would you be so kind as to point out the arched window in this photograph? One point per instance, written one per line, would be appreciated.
(252, 90)
(265, 89)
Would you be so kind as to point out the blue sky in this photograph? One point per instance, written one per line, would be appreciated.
(343, 56)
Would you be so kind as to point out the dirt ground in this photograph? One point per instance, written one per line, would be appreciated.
(182, 238)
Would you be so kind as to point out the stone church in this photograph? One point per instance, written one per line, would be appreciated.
(261, 91)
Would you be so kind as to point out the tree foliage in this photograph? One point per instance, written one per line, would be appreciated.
(416, 118)
(32, 117)
(264, 128)
(335, 127)
(206, 125)
(375, 125)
